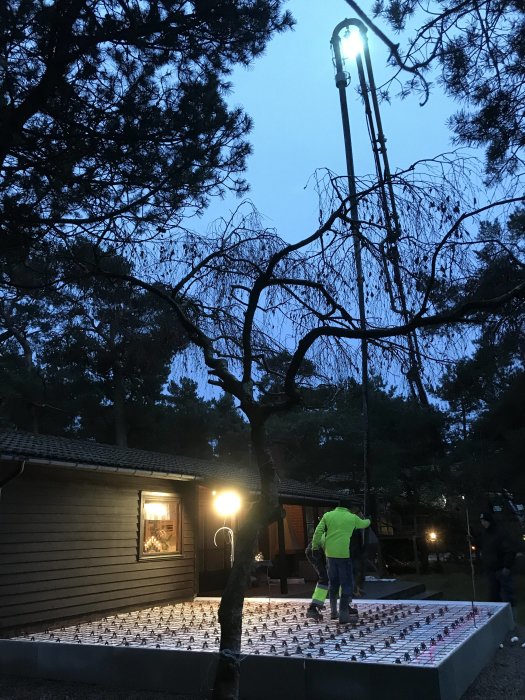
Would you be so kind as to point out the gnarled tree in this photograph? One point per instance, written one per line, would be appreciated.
(247, 296)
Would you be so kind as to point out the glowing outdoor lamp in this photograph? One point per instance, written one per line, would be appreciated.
(432, 536)
(352, 44)
(227, 503)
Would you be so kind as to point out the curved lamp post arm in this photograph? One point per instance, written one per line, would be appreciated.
(230, 538)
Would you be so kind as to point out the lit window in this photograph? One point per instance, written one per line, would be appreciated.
(160, 525)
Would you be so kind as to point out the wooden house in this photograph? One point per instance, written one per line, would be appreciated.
(87, 528)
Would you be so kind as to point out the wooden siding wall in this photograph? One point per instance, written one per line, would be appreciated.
(69, 543)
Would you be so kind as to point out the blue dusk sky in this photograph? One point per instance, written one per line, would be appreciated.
(291, 95)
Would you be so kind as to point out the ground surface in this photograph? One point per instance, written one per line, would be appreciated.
(505, 676)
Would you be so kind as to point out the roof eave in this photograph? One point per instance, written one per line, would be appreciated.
(131, 471)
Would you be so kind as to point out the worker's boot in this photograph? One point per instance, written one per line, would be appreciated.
(314, 612)
(354, 613)
(344, 615)
(333, 607)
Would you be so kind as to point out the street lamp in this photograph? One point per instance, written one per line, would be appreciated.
(432, 536)
(433, 539)
(350, 43)
(227, 504)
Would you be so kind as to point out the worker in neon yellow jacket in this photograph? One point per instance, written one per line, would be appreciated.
(337, 527)
(318, 560)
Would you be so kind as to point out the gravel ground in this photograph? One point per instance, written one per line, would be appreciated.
(505, 676)
(16, 688)
(502, 679)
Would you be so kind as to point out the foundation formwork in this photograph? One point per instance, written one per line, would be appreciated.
(400, 650)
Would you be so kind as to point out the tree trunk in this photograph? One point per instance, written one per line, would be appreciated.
(119, 403)
(464, 421)
(226, 686)
(265, 511)
(28, 361)
(35, 423)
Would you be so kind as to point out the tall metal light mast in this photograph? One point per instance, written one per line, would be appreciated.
(390, 252)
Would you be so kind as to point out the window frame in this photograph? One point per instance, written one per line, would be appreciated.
(161, 497)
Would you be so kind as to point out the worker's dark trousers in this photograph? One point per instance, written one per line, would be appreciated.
(340, 576)
(501, 588)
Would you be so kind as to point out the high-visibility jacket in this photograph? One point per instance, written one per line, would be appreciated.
(338, 525)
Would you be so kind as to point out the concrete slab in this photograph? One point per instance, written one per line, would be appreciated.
(340, 681)
(432, 650)
(164, 670)
(273, 678)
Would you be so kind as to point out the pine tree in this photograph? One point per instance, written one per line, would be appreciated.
(112, 114)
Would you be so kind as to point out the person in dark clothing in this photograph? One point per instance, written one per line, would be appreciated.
(497, 555)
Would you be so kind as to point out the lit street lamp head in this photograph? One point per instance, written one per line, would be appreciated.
(348, 46)
(352, 44)
(227, 503)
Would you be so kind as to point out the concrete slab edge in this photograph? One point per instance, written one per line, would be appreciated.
(459, 670)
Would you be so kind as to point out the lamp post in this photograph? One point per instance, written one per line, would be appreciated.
(342, 80)
(350, 37)
(433, 539)
(227, 504)
(471, 559)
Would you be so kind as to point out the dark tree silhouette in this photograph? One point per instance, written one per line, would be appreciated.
(76, 356)
(113, 112)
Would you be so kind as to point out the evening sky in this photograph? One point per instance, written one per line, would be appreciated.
(291, 95)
